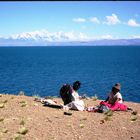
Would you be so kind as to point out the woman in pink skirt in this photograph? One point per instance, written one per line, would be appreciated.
(114, 100)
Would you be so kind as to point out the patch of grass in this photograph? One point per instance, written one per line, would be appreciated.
(22, 122)
(1, 119)
(109, 113)
(134, 113)
(21, 93)
(22, 102)
(81, 125)
(2, 105)
(5, 130)
(35, 104)
(36, 96)
(69, 125)
(102, 121)
(12, 97)
(83, 119)
(5, 101)
(17, 137)
(23, 131)
(23, 105)
(49, 97)
(107, 118)
(95, 97)
(133, 118)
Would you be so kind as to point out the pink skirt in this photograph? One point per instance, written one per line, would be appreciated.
(116, 106)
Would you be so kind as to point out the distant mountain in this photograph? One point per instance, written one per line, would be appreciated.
(38, 41)
(112, 42)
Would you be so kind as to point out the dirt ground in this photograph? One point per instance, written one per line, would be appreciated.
(22, 118)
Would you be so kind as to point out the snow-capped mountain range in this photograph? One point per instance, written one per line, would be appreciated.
(46, 38)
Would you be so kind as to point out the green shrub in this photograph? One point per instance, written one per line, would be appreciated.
(22, 122)
(94, 98)
(2, 105)
(18, 137)
(21, 93)
(5, 130)
(109, 113)
(23, 131)
(5, 101)
(1, 119)
(133, 118)
(23, 105)
(81, 125)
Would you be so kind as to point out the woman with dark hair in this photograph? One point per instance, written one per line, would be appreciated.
(76, 100)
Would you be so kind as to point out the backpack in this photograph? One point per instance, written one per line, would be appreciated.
(103, 108)
(66, 93)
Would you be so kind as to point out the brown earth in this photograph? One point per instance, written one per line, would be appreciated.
(45, 123)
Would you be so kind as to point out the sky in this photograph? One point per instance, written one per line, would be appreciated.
(81, 19)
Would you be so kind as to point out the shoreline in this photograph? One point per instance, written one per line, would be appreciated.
(23, 118)
(49, 96)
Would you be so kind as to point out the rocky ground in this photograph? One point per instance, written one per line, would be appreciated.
(22, 118)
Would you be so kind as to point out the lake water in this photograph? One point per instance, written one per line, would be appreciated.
(43, 70)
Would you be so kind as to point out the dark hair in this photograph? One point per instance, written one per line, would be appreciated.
(114, 89)
(65, 93)
(76, 85)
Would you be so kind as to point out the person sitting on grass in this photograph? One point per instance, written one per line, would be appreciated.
(114, 100)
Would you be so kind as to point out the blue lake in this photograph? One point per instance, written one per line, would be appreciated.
(43, 70)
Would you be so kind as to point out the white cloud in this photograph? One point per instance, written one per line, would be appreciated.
(112, 20)
(95, 20)
(107, 36)
(79, 19)
(136, 36)
(133, 23)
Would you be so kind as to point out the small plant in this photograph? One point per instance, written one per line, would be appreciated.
(107, 118)
(2, 105)
(21, 93)
(102, 121)
(36, 96)
(69, 125)
(5, 130)
(49, 97)
(12, 97)
(134, 113)
(1, 119)
(23, 131)
(84, 118)
(109, 113)
(18, 137)
(22, 102)
(5, 101)
(133, 118)
(22, 122)
(81, 125)
(23, 105)
(94, 98)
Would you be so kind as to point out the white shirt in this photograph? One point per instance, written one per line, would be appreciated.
(76, 103)
(75, 96)
(113, 98)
